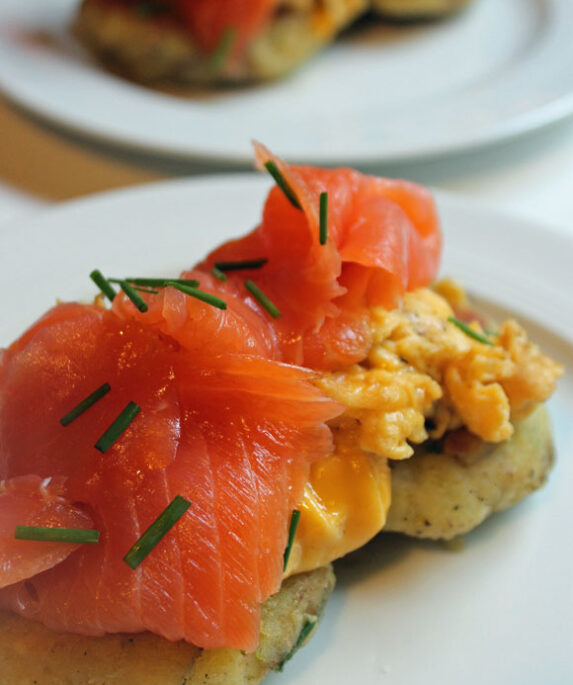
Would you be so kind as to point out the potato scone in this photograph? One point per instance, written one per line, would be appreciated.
(154, 46)
(30, 654)
(447, 489)
(409, 10)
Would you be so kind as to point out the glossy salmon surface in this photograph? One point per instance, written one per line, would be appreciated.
(230, 415)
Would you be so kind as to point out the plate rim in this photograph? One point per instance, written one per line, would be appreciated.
(558, 109)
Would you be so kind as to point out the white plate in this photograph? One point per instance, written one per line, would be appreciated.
(381, 93)
(499, 612)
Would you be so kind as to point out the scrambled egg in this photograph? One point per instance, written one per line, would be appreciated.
(423, 376)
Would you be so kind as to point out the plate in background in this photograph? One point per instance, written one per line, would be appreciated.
(380, 93)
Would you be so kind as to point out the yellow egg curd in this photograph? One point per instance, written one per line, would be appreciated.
(423, 376)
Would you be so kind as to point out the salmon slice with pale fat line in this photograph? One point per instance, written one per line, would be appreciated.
(226, 420)
(383, 239)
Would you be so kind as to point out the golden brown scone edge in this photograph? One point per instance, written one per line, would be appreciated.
(30, 654)
(443, 495)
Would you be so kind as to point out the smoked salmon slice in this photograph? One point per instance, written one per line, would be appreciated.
(34, 501)
(383, 239)
(229, 417)
(221, 423)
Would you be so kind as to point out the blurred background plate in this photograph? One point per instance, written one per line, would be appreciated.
(381, 93)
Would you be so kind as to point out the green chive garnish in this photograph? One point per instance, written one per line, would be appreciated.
(103, 284)
(134, 296)
(469, 331)
(218, 274)
(243, 264)
(156, 282)
(282, 183)
(85, 404)
(223, 50)
(323, 231)
(200, 295)
(323, 225)
(305, 631)
(260, 296)
(156, 531)
(294, 519)
(81, 536)
(121, 423)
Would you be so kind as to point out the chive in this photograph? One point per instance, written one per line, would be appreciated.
(85, 404)
(156, 531)
(191, 282)
(121, 423)
(305, 631)
(243, 264)
(81, 536)
(223, 50)
(103, 284)
(218, 274)
(199, 294)
(323, 232)
(259, 295)
(294, 519)
(282, 183)
(156, 282)
(134, 296)
(469, 331)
